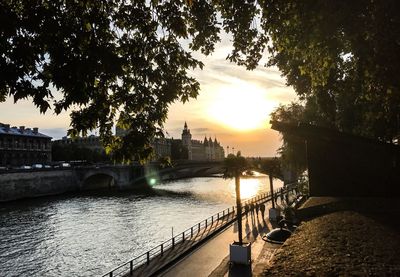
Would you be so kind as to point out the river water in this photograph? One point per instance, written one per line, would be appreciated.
(89, 235)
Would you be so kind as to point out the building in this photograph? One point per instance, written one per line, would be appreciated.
(89, 149)
(206, 150)
(23, 146)
(186, 147)
(346, 165)
(91, 142)
(161, 146)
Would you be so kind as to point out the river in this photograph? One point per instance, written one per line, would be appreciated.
(87, 235)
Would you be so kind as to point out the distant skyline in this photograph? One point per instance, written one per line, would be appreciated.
(233, 105)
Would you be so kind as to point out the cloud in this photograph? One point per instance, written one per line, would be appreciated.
(200, 130)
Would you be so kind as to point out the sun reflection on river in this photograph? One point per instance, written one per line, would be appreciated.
(248, 187)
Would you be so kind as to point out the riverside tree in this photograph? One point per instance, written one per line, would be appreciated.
(124, 60)
(235, 165)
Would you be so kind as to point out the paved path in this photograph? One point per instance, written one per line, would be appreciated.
(212, 258)
(206, 252)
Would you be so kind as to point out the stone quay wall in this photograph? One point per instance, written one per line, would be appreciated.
(19, 185)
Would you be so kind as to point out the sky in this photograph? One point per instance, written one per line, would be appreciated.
(233, 105)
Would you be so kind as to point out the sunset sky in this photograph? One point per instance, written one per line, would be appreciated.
(233, 105)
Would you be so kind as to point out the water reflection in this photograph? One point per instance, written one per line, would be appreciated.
(88, 235)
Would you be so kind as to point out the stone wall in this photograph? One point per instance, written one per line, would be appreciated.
(33, 184)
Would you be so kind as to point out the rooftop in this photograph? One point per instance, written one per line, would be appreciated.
(5, 129)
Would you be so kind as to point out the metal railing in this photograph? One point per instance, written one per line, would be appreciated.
(130, 266)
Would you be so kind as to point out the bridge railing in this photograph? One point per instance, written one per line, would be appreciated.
(165, 247)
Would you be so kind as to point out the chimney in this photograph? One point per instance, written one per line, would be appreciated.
(21, 129)
(35, 130)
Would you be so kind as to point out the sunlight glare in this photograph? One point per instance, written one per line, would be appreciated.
(248, 187)
(242, 106)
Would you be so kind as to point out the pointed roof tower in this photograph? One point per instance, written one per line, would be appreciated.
(185, 131)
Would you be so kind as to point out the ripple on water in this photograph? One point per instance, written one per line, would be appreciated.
(88, 235)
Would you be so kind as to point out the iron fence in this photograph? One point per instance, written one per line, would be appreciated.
(162, 249)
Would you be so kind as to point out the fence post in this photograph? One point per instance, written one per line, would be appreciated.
(183, 236)
(111, 274)
(191, 231)
(212, 220)
(148, 257)
(173, 242)
(131, 267)
(162, 249)
(228, 210)
(199, 227)
(206, 223)
(217, 216)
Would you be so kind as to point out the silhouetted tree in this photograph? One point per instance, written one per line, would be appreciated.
(234, 167)
(122, 61)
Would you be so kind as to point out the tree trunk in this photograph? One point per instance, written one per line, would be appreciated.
(238, 207)
(271, 188)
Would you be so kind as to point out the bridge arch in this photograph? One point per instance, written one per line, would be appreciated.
(99, 180)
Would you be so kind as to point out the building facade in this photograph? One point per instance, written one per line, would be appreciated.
(186, 147)
(91, 142)
(23, 146)
(161, 146)
(206, 150)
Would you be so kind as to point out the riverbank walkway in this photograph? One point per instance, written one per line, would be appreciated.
(212, 258)
(157, 260)
(218, 228)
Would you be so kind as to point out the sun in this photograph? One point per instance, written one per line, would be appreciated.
(242, 107)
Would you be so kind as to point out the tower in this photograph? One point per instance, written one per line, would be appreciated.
(187, 140)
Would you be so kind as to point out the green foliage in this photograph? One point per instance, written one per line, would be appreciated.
(109, 60)
(123, 61)
(72, 152)
(342, 58)
(293, 150)
(178, 151)
(235, 165)
(270, 167)
(165, 162)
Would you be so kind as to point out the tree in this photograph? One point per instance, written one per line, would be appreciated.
(343, 58)
(108, 61)
(271, 167)
(123, 61)
(234, 167)
(293, 149)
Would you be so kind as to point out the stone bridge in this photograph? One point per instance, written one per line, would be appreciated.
(129, 176)
(23, 184)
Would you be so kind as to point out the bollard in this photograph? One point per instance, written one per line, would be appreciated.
(162, 249)
(212, 220)
(183, 236)
(228, 210)
(217, 216)
(148, 257)
(111, 274)
(131, 267)
(191, 232)
(223, 213)
(206, 223)
(173, 242)
(199, 227)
